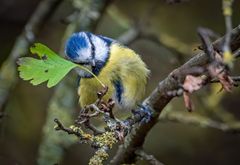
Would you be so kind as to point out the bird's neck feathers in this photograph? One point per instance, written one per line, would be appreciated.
(101, 52)
(101, 48)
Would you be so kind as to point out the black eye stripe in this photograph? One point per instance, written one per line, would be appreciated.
(82, 63)
(92, 46)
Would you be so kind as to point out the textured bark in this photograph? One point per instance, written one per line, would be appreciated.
(158, 99)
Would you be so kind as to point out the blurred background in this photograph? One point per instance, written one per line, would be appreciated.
(27, 111)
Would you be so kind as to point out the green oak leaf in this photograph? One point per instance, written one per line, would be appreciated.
(50, 67)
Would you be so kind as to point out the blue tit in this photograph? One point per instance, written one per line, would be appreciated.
(117, 66)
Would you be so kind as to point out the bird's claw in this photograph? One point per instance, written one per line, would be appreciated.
(145, 113)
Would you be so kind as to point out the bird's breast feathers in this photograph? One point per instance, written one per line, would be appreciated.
(124, 73)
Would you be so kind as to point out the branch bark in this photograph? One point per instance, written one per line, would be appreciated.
(150, 158)
(202, 121)
(158, 99)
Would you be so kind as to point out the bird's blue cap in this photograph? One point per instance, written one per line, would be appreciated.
(76, 42)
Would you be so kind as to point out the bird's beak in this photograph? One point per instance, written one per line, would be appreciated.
(93, 63)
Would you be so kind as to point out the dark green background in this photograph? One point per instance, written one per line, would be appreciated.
(171, 143)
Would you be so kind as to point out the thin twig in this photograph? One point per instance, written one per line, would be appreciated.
(234, 78)
(236, 53)
(129, 36)
(207, 44)
(150, 158)
(227, 12)
(94, 129)
(65, 129)
(201, 121)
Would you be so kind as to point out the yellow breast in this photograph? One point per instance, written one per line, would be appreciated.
(123, 65)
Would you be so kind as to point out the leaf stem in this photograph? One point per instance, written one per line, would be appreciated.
(87, 70)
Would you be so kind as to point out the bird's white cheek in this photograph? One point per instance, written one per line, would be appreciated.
(84, 54)
(101, 48)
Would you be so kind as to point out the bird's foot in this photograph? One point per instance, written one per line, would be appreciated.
(144, 113)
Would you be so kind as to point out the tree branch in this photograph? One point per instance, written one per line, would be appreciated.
(158, 99)
(202, 121)
(150, 158)
(227, 12)
(234, 78)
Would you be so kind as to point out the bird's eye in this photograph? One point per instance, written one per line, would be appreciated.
(82, 63)
(93, 63)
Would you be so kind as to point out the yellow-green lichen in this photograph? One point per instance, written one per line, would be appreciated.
(227, 7)
(80, 131)
(100, 156)
(106, 139)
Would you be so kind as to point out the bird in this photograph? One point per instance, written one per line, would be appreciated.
(120, 68)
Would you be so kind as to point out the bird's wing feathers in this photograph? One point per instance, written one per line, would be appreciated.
(133, 73)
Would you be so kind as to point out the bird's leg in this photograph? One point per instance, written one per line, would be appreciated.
(142, 114)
